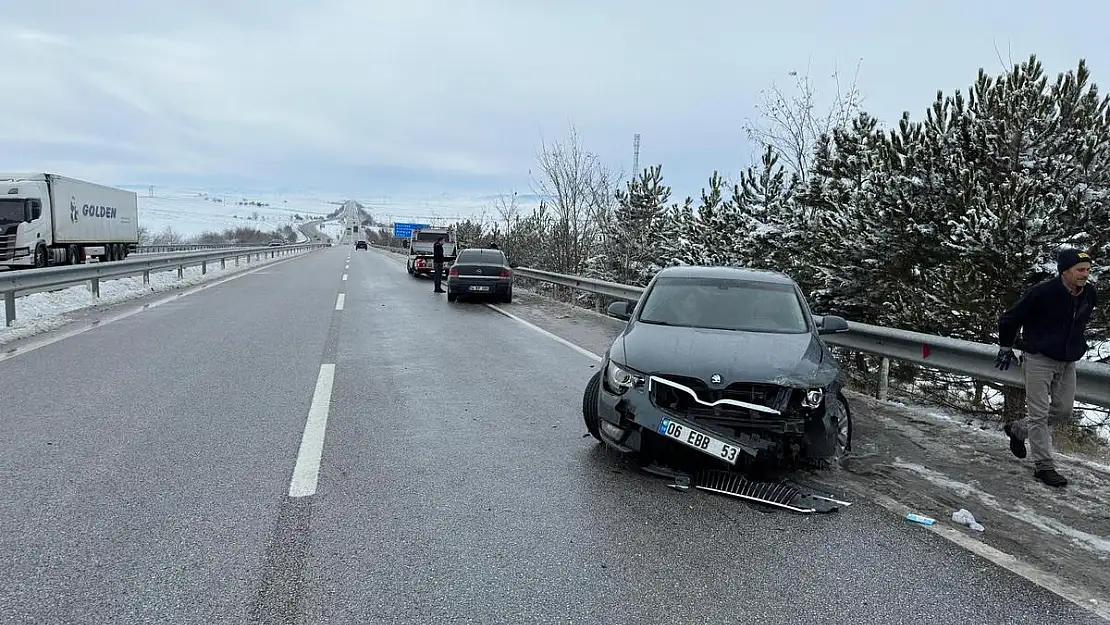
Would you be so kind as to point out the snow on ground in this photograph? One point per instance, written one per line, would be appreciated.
(41, 312)
(190, 213)
(438, 210)
(1089, 415)
(333, 229)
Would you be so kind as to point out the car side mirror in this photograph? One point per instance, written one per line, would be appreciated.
(620, 310)
(832, 324)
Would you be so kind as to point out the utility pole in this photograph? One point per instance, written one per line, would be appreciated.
(635, 155)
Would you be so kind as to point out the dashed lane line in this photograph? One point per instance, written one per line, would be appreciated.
(306, 473)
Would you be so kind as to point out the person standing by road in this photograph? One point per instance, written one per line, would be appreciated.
(437, 264)
(1053, 318)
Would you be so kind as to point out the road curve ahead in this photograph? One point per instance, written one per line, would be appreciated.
(438, 471)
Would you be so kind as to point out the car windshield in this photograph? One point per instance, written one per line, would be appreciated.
(432, 236)
(725, 304)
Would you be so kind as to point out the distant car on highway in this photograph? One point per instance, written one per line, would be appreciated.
(724, 361)
(361, 245)
(480, 272)
(276, 242)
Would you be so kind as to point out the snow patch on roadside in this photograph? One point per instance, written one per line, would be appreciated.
(41, 312)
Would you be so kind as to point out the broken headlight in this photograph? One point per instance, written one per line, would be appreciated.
(813, 398)
(617, 379)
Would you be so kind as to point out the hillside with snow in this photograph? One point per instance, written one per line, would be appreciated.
(187, 214)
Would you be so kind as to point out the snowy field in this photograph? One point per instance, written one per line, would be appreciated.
(439, 210)
(190, 213)
(41, 312)
(333, 229)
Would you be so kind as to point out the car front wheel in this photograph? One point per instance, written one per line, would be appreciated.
(589, 405)
(841, 435)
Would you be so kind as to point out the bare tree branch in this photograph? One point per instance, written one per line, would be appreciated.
(579, 188)
(791, 124)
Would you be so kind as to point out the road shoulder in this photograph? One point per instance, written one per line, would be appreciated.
(934, 464)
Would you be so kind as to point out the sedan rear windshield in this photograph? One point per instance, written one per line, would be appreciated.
(725, 304)
(481, 256)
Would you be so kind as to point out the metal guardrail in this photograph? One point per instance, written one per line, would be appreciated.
(975, 360)
(159, 249)
(48, 278)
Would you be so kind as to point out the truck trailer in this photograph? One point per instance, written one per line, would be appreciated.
(47, 219)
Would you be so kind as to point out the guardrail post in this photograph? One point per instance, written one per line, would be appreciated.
(203, 267)
(146, 277)
(884, 378)
(9, 307)
(94, 286)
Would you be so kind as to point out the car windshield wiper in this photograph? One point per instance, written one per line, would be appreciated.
(657, 323)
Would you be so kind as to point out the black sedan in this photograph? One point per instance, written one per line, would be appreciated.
(361, 245)
(480, 272)
(725, 363)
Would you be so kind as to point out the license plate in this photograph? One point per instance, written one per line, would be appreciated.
(479, 288)
(699, 440)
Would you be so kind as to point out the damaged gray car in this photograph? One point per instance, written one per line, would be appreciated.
(726, 363)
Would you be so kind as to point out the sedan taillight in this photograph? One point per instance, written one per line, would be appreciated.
(454, 271)
(506, 273)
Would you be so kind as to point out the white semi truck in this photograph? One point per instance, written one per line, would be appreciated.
(47, 219)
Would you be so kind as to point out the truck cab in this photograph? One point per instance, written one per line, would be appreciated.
(21, 216)
(47, 219)
(421, 250)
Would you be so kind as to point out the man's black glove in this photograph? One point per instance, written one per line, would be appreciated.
(1004, 358)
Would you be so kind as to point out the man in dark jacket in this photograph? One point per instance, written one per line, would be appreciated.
(437, 264)
(1053, 318)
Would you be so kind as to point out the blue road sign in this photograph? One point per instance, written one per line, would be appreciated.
(404, 231)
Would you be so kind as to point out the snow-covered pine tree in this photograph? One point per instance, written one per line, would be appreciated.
(923, 161)
(720, 225)
(678, 229)
(633, 234)
(848, 241)
(1088, 215)
(774, 231)
(1023, 193)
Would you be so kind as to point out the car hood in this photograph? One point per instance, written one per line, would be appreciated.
(797, 360)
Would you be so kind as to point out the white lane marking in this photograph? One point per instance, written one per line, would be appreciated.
(344, 277)
(581, 350)
(306, 473)
(54, 336)
(339, 301)
(1044, 579)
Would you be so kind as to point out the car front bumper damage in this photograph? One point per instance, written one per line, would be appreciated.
(631, 422)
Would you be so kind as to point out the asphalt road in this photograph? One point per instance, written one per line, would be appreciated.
(146, 467)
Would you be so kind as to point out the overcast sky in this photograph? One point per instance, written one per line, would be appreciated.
(437, 97)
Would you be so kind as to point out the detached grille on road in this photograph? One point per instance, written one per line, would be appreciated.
(770, 493)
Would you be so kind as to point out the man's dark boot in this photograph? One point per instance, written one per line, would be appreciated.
(1051, 477)
(1017, 445)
